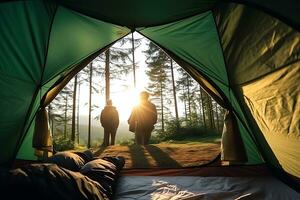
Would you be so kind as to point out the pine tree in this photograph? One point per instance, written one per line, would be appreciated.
(107, 75)
(117, 61)
(202, 105)
(185, 83)
(174, 90)
(74, 108)
(90, 104)
(157, 61)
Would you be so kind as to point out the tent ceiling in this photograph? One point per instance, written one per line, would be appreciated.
(137, 13)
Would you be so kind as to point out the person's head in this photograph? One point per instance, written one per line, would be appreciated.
(109, 102)
(144, 96)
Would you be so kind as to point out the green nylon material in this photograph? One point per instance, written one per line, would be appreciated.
(24, 32)
(193, 36)
(196, 41)
(26, 151)
(255, 51)
(73, 38)
(137, 13)
(26, 25)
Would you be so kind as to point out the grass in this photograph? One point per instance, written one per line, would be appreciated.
(197, 140)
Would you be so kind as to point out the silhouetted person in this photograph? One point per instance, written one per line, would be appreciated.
(110, 121)
(142, 119)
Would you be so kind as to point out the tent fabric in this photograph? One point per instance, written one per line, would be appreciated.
(262, 59)
(30, 63)
(195, 40)
(73, 37)
(24, 34)
(91, 36)
(232, 146)
(42, 129)
(136, 13)
(285, 10)
(248, 58)
(273, 103)
(42, 134)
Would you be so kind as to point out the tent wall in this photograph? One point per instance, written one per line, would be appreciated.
(195, 40)
(285, 10)
(40, 42)
(262, 59)
(256, 68)
(73, 38)
(24, 36)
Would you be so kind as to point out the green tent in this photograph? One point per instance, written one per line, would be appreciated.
(245, 53)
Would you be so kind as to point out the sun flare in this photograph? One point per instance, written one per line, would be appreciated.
(125, 101)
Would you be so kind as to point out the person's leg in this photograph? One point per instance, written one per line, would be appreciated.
(147, 135)
(138, 137)
(106, 137)
(113, 136)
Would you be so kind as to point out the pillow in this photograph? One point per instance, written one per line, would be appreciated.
(105, 171)
(86, 155)
(49, 181)
(68, 160)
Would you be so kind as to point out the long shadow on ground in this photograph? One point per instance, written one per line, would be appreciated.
(138, 157)
(162, 159)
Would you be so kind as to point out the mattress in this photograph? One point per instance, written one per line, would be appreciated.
(195, 187)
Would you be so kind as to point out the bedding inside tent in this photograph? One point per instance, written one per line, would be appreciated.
(195, 187)
(244, 53)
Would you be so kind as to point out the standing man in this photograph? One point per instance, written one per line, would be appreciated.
(142, 119)
(110, 121)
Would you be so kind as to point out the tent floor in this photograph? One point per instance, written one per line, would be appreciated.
(163, 155)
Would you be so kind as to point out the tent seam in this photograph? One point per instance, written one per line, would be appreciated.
(47, 48)
(267, 11)
(38, 87)
(230, 84)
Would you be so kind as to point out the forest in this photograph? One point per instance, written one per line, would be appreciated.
(131, 65)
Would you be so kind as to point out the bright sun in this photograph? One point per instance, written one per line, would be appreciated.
(125, 101)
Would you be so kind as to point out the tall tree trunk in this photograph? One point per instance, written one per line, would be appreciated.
(66, 115)
(162, 108)
(217, 115)
(203, 107)
(210, 112)
(185, 106)
(189, 97)
(107, 78)
(74, 110)
(133, 61)
(90, 106)
(174, 91)
(78, 133)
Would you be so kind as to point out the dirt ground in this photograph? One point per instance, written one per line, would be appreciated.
(163, 155)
